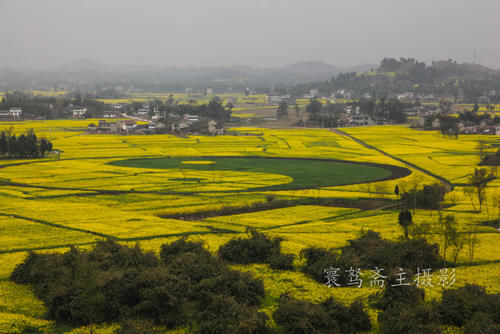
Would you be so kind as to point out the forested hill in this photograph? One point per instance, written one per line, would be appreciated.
(441, 78)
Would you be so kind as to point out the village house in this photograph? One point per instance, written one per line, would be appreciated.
(415, 111)
(213, 129)
(273, 99)
(118, 106)
(4, 114)
(126, 125)
(489, 130)
(436, 124)
(79, 113)
(361, 120)
(16, 112)
(467, 127)
(102, 127)
(13, 113)
(109, 114)
(180, 126)
(191, 118)
(344, 94)
(406, 96)
(144, 111)
(417, 122)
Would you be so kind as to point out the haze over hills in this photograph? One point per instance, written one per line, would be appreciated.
(86, 72)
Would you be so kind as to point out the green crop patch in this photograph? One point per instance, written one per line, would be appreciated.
(303, 173)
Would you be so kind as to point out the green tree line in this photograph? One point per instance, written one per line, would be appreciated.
(23, 146)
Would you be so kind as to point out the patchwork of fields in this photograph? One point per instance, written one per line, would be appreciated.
(123, 187)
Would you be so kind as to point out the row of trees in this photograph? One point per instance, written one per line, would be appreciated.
(50, 107)
(24, 146)
(384, 110)
(445, 229)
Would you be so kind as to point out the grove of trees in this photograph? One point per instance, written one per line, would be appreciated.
(25, 146)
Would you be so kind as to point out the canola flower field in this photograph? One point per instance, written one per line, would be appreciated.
(93, 192)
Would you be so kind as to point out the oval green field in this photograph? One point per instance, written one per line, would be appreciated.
(305, 173)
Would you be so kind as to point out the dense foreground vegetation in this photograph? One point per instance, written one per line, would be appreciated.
(187, 286)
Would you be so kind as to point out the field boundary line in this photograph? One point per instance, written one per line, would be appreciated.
(43, 222)
(117, 239)
(407, 163)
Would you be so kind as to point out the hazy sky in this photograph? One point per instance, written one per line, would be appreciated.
(263, 33)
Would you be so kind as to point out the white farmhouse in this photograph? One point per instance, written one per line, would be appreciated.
(15, 112)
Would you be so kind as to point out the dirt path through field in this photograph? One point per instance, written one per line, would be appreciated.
(409, 164)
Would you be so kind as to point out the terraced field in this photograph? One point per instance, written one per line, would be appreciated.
(120, 187)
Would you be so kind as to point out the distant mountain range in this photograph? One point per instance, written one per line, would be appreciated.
(88, 73)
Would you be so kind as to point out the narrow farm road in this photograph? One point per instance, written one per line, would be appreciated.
(409, 164)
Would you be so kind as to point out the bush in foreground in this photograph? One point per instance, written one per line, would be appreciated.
(330, 316)
(257, 248)
(370, 251)
(186, 286)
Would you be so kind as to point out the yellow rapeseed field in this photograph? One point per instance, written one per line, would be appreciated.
(48, 204)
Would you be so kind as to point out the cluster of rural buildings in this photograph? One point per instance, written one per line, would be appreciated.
(146, 121)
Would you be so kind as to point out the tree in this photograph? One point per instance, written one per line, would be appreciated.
(216, 110)
(478, 183)
(481, 147)
(45, 146)
(314, 108)
(3, 143)
(229, 106)
(445, 106)
(405, 220)
(450, 237)
(396, 191)
(475, 109)
(472, 240)
(282, 111)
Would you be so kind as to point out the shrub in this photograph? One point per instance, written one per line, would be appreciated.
(417, 319)
(317, 260)
(430, 197)
(391, 296)
(459, 305)
(281, 261)
(370, 251)
(482, 323)
(298, 316)
(223, 314)
(258, 248)
(242, 286)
